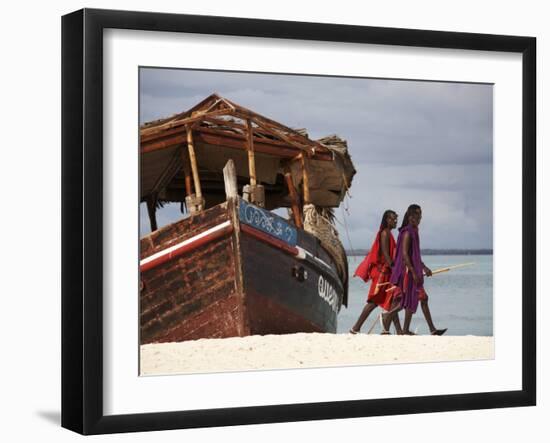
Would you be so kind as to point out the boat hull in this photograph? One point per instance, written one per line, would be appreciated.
(235, 270)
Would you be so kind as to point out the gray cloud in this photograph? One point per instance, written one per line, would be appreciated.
(411, 141)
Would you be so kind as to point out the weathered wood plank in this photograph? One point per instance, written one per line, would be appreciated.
(230, 179)
(178, 298)
(182, 230)
(230, 140)
(176, 295)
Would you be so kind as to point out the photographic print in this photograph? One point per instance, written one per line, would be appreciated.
(316, 202)
(298, 221)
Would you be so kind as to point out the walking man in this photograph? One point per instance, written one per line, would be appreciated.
(408, 275)
(377, 267)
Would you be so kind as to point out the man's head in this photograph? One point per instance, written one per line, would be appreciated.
(389, 219)
(413, 216)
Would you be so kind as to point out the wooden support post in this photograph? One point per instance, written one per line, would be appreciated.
(151, 210)
(250, 148)
(305, 179)
(186, 171)
(254, 192)
(230, 179)
(195, 203)
(295, 200)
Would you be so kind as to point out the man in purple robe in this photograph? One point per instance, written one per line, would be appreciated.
(408, 275)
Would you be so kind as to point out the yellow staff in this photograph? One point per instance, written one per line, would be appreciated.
(438, 271)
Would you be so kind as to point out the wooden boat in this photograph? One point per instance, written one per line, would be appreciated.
(232, 267)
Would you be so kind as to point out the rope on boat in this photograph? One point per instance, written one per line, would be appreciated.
(321, 227)
(347, 230)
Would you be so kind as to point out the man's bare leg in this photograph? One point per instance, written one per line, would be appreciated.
(369, 307)
(397, 324)
(428, 317)
(407, 322)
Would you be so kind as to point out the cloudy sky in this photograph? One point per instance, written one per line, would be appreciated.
(419, 142)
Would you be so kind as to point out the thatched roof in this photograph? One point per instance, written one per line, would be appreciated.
(220, 131)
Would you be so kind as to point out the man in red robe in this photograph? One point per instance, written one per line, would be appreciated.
(377, 267)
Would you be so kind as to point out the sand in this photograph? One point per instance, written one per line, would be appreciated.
(307, 351)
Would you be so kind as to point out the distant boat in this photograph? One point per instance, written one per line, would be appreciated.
(232, 267)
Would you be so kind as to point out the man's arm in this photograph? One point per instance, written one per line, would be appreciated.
(427, 270)
(407, 257)
(385, 244)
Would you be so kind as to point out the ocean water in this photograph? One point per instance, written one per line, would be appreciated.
(460, 300)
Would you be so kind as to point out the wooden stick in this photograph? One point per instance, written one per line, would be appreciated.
(188, 187)
(150, 132)
(385, 284)
(295, 201)
(283, 137)
(193, 159)
(307, 198)
(267, 123)
(374, 324)
(250, 149)
(186, 171)
(438, 271)
(229, 140)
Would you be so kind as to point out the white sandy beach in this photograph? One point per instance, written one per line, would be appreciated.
(307, 351)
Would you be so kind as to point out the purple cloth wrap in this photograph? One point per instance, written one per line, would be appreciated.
(409, 289)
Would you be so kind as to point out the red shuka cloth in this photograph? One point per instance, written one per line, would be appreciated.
(374, 268)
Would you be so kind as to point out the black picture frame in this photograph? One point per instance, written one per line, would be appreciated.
(82, 218)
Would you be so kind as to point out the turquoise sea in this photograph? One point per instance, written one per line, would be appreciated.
(460, 300)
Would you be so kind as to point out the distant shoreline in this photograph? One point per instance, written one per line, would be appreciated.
(363, 252)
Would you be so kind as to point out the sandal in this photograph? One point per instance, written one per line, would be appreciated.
(353, 332)
(439, 331)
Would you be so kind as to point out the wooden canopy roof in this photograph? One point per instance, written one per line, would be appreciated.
(222, 130)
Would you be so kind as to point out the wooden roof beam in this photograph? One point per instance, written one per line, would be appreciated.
(264, 146)
(255, 116)
(285, 138)
(182, 122)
